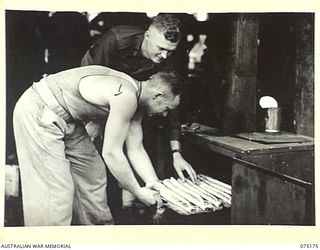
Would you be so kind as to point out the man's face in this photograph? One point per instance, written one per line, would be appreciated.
(157, 47)
(161, 103)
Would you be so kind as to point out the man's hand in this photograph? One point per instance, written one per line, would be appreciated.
(181, 164)
(147, 196)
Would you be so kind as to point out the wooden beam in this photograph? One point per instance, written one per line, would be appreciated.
(240, 107)
(304, 101)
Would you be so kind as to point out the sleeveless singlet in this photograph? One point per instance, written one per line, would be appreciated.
(65, 87)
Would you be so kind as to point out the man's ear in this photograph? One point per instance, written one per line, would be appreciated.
(147, 34)
(157, 95)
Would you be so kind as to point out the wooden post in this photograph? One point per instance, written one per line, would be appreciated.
(240, 108)
(12, 181)
(304, 101)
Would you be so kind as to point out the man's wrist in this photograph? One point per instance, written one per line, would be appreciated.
(136, 192)
(176, 151)
(175, 146)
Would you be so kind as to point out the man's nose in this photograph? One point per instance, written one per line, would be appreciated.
(164, 54)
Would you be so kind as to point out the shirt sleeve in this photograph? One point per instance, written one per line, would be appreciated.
(173, 125)
(101, 52)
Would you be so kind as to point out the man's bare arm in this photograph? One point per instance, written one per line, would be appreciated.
(137, 154)
(122, 108)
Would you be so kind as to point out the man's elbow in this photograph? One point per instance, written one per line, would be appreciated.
(111, 156)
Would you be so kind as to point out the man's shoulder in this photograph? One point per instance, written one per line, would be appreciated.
(127, 31)
(127, 37)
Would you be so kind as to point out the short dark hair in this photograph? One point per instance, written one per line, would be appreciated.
(168, 25)
(171, 79)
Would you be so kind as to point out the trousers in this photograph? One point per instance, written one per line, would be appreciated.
(63, 177)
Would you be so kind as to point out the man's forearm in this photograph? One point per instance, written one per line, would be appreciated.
(141, 163)
(121, 170)
(173, 125)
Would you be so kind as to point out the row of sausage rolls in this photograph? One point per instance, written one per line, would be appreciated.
(186, 198)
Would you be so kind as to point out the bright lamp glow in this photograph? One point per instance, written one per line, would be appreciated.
(268, 102)
(152, 14)
(201, 17)
(190, 37)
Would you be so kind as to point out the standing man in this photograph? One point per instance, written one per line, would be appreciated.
(140, 54)
(62, 173)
